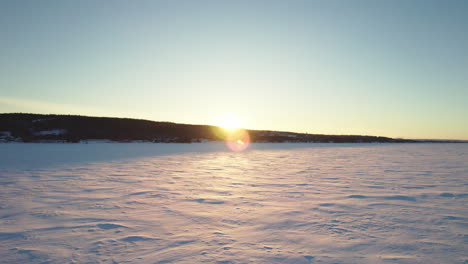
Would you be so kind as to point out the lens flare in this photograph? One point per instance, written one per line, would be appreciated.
(237, 140)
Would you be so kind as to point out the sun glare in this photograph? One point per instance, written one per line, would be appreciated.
(230, 122)
(236, 138)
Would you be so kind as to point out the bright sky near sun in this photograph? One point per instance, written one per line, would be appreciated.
(388, 68)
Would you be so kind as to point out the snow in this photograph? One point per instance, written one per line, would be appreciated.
(5, 134)
(50, 132)
(199, 203)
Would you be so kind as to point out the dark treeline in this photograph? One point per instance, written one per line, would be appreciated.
(74, 128)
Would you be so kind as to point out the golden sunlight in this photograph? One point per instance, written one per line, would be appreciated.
(236, 138)
(230, 122)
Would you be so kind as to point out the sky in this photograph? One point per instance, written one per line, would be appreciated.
(389, 68)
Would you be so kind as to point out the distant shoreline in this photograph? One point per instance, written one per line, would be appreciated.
(208, 142)
(39, 128)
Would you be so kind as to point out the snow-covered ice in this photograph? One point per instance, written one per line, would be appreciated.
(50, 132)
(199, 203)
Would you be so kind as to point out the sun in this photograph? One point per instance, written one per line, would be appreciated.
(236, 138)
(230, 122)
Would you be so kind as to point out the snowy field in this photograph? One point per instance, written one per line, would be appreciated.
(199, 203)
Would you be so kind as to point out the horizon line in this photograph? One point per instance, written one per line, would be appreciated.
(281, 131)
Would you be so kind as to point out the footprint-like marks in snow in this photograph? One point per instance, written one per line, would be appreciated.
(138, 238)
(400, 198)
(390, 197)
(207, 201)
(33, 255)
(110, 226)
(327, 204)
(447, 195)
(358, 196)
(451, 217)
(13, 235)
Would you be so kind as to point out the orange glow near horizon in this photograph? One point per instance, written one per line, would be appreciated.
(237, 140)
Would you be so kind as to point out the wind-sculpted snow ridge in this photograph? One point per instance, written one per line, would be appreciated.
(336, 204)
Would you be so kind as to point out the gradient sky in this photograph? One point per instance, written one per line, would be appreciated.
(393, 68)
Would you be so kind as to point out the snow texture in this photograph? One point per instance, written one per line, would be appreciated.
(50, 132)
(199, 203)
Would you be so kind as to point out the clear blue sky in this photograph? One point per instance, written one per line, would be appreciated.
(392, 68)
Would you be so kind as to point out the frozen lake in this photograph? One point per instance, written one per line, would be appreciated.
(199, 203)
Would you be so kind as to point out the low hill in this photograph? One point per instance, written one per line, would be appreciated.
(75, 128)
